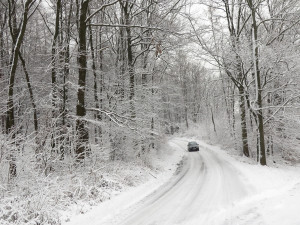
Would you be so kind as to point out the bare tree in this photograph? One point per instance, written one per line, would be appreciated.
(10, 118)
(81, 129)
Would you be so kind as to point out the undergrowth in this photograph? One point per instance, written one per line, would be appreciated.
(39, 197)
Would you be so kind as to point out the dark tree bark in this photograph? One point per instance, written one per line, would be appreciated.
(213, 120)
(127, 10)
(96, 99)
(259, 103)
(3, 21)
(35, 119)
(10, 119)
(53, 68)
(64, 138)
(82, 131)
(243, 121)
(15, 32)
(121, 60)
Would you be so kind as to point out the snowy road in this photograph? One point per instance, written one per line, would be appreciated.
(211, 188)
(205, 186)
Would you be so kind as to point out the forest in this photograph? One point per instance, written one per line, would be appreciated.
(86, 83)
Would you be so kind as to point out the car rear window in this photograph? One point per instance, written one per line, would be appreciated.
(193, 143)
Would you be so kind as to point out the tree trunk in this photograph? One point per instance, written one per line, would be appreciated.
(243, 121)
(53, 71)
(97, 114)
(35, 120)
(10, 120)
(82, 131)
(239, 80)
(130, 60)
(262, 160)
(213, 120)
(2, 60)
(64, 138)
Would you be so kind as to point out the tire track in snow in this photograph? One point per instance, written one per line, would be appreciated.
(203, 192)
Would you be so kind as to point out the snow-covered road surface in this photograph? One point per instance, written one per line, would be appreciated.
(206, 185)
(211, 188)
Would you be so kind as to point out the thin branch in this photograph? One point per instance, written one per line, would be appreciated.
(280, 107)
(45, 22)
(101, 8)
(33, 11)
(138, 26)
(282, 32)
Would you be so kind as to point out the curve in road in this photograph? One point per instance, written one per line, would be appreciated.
(206, 187)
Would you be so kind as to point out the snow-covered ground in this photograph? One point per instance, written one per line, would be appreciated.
(33, 198)
(212, 188)
(167, 162)
(273, 194)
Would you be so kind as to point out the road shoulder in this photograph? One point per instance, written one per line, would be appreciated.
(110, 210)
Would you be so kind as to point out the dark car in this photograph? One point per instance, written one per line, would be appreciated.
(193, 146)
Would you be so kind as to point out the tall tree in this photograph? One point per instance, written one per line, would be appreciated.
(10, 117)
(235, 29)
(258, 88)
(81, 129)
(54, 56)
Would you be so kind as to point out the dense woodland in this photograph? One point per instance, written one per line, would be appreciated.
(91, 79)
